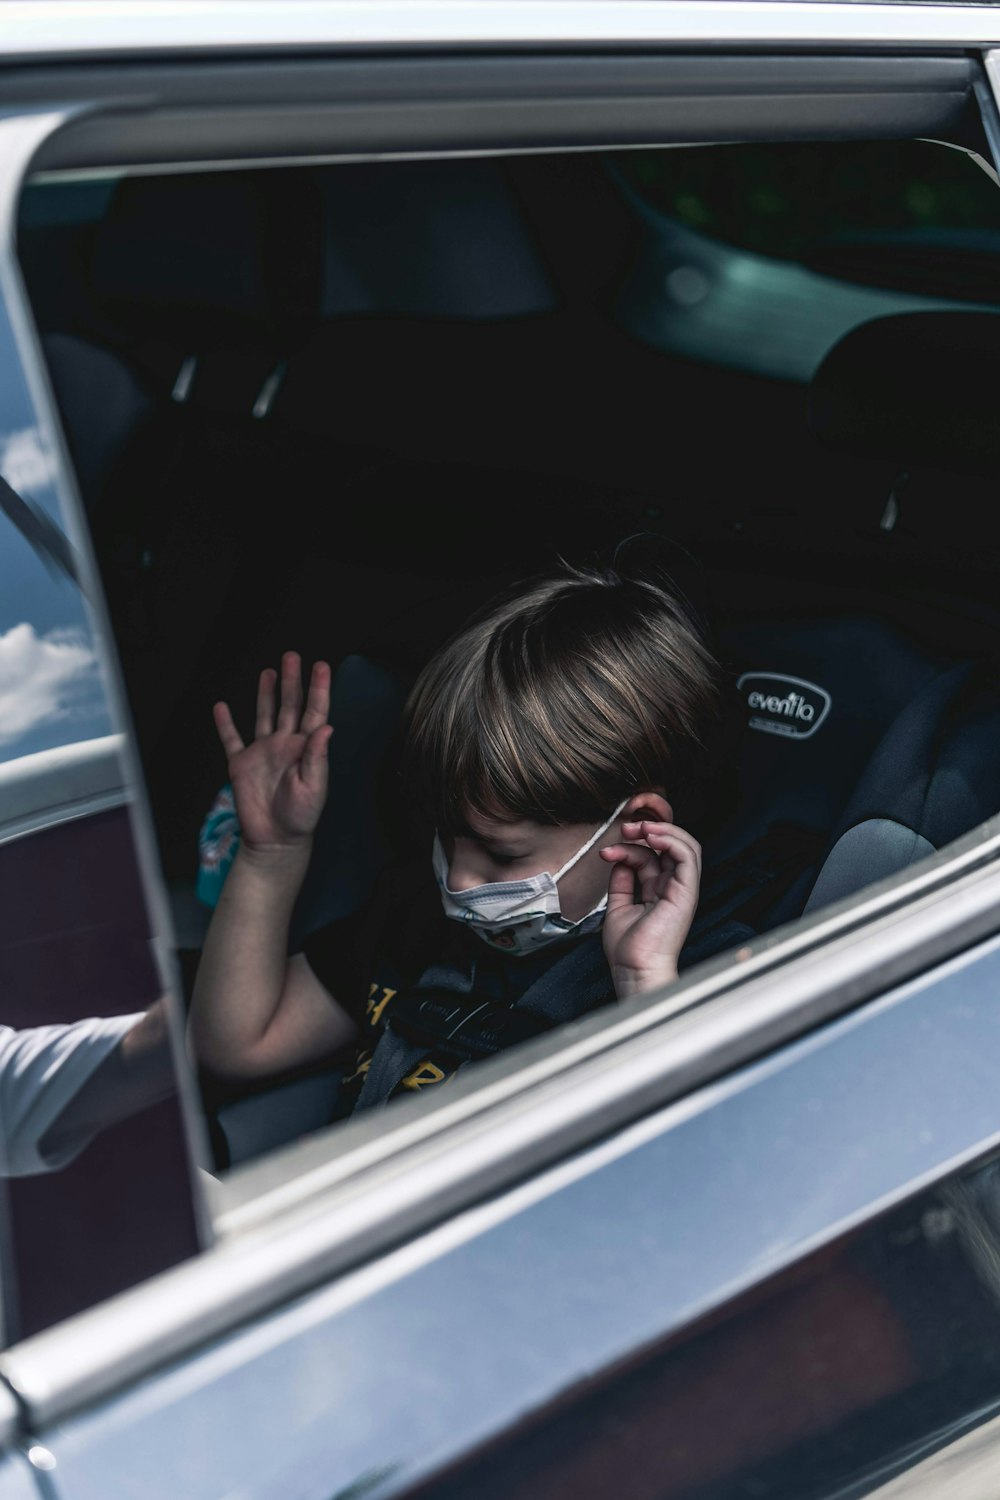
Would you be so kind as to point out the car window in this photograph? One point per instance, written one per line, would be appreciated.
(340, 406)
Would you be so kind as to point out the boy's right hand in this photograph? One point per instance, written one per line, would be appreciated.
(280, 779)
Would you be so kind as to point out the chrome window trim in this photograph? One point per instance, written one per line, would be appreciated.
(964, 1469)
(896, 928)
(10, 1417)
(79, 28)
(87, 776)
(991, 64)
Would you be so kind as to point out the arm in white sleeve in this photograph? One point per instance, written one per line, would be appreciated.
(47, 1072)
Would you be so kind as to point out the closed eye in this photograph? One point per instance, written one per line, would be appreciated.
(503, 856)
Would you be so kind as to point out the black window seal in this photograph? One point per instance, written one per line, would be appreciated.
(184, 116)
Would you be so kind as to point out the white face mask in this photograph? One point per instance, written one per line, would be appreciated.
(519, 916)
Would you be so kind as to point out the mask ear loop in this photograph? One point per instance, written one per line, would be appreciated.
(589, 844)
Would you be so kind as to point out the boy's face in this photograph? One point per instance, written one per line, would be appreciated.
(499, 849)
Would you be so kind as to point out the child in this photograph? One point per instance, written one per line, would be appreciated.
(543, 742)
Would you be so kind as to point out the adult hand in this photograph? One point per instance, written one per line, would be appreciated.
(280, 779)
(652, 899)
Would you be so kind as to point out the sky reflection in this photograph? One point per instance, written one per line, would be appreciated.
(51, 691)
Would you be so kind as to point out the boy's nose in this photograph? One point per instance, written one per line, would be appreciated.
(461, 876)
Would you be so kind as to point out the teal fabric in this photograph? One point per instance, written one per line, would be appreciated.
(218, 842)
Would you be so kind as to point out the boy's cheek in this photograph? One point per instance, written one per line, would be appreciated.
(583, 887)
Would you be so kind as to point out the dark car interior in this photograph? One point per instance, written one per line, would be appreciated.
(336, 408)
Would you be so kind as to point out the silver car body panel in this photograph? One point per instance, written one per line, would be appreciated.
(318, 1210)
(54, 786)
(19, 1480)
(915, 1071)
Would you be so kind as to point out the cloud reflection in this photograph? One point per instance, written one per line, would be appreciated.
(25, 462)
(41, 678)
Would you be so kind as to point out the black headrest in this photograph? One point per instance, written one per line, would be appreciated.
(217, 259)
(915, 388)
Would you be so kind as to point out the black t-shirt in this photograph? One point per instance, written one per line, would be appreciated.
(402, 936)
(368, 960)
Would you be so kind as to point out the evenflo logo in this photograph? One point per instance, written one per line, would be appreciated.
(784, 705)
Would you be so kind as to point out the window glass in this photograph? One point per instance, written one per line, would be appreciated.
(761, 257)
(50, 686)
(98, 1190)
(781, 199)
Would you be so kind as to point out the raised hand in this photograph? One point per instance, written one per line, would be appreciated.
(280, 778)
(652, 899)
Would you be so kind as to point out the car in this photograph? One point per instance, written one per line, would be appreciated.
(319, 323)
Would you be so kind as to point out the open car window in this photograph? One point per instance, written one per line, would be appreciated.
(343, 437)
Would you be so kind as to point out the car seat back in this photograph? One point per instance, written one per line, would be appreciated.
(918, 389)
(819, 695)
(858, 732)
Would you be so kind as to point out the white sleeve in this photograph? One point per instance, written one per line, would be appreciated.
(41, 1069)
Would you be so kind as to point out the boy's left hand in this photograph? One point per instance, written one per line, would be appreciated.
(652, 899)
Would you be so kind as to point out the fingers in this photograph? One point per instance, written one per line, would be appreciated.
(662, 835)
(685, 858)
(621, 887)
(313, 767)
(227, 731)
(265, 703)
(318, 703)
(317, 708)
(680, 855)
(291, 693)
(633, 862)
(665, 854)
(659, 833)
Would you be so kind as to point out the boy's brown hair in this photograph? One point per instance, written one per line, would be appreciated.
(564, 698)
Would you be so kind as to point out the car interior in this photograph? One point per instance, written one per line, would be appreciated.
(335, 408)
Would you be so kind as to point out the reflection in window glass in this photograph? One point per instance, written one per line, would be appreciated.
(864, 1369)
(762, 257)
(50, 689)
(781, 199)
(94, 1150)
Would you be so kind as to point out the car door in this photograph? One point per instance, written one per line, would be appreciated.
(740, 1240)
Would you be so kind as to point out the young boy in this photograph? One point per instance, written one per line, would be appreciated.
(544, 742)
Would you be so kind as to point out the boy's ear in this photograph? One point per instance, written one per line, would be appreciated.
(652, 806)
